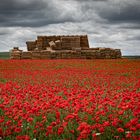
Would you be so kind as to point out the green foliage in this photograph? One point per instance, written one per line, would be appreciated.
(3, 80)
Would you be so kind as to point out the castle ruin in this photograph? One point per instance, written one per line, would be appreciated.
(63, 47)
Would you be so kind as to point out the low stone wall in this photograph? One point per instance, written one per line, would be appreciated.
(93, 53)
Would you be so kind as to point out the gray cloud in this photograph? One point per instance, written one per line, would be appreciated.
(20, 13)
(108, 23)
(4, 31)
(14, 5)
(31, 13)
(122, 12)
(90, 0)
(115, 11)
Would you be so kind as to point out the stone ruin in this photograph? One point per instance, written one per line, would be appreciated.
(63, 47)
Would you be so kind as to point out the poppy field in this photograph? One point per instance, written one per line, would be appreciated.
(70, 99)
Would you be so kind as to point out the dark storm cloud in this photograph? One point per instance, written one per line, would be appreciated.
(128, 14)
(36, 13)
(13, 5)
(123, 11)
(114, 11)
(32, 13)
(91, 0)
(14, 13)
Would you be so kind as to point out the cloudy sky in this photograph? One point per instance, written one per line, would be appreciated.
(108, 23)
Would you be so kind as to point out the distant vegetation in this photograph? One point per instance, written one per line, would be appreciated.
(132, 57)
(4, 55)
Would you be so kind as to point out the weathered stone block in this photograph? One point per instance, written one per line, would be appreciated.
(26, 55)
(70, 42)
(36, 55)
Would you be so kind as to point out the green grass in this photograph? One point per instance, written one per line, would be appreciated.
(3, 80)
(4, 55)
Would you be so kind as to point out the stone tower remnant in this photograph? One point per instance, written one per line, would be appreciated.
(63, 47)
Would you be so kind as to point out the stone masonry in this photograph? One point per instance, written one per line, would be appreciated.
(63, 47)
